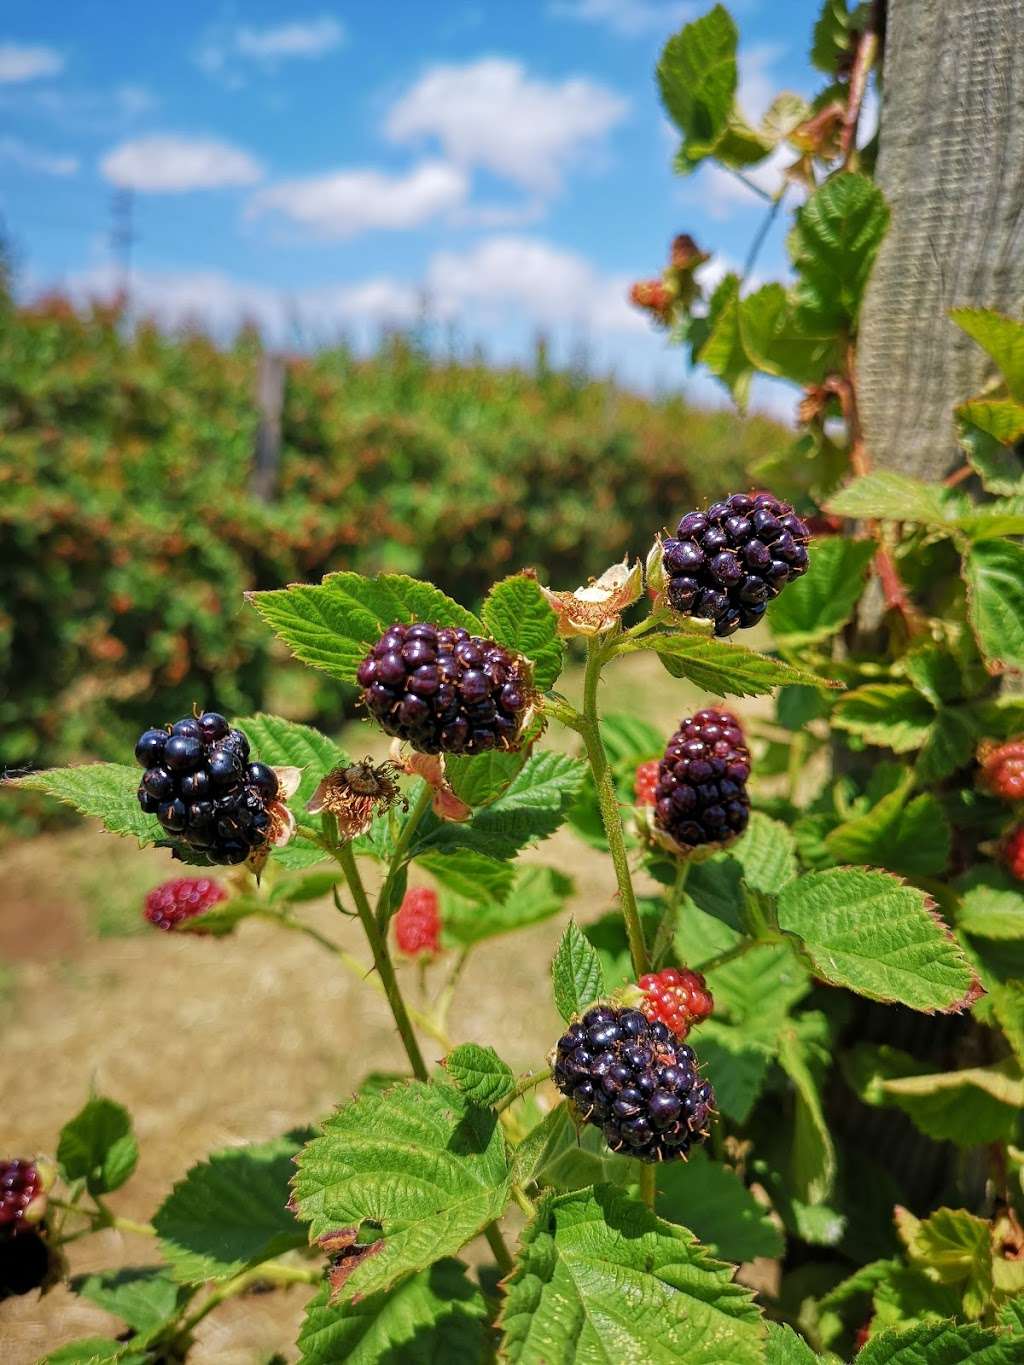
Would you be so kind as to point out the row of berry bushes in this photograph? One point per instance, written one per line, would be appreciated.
(126, 522)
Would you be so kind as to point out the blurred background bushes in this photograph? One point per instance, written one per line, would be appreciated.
(128, 533)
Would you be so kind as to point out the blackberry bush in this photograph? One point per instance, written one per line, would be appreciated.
(780, 885)
(633, 1079)
(444, 690)
(724, 565)
(202, 787)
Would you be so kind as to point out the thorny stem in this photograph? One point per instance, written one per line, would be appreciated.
(589, 728)
(420, 807)
(381, 959)
(524, 1083)
(867, 48)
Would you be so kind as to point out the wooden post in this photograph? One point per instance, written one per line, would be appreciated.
(951, 165)
(270, 401)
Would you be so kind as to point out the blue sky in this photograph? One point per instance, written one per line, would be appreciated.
(330, 168)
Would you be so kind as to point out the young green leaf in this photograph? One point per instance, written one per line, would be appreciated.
(727, 670)
(229, 1212)
(888, 714)
(910, 837)
(785, 340)
(97, 1351)
(722, 352)
(576, 973)
(833, 38)
(817, 606)
(994, 572)
(812, 1154)
(738, 1063)
(480, 1074)
(482, 778)
(144, 1297)
(888, 496)
(991, 905)
(332, 625)
(474, 876)
(1000, 418)
(712, 1201)
(953, 1247)
(106, 791)
(537, 893)
(398, 1180)
(940, 1343)
(697, 78)
(766, 854)
(833, 244)
(557, 1155)
(517, 615)
(98, 1146)
(600, 1278)
(997, 464)
(438, 1315)
(867, 931)
(1002, 337)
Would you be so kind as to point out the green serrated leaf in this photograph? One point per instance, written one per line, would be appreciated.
(480, 1074)
(910, 837)
(892, 715)
(97, 1351)
(871, 933)
(787, 341)
(98, 1146)
(994, 573)
(558, 1155)
(888, 496)
(435, 1315)
(697, 78)
(953, 1247)
(144, 1297)
(722, 351)
(1002, 337)
(482, 778)
(630, 740)
(333, 624)
(833, 244)
(817, 606)
(940, 1343)
(727, 670)
(812, 1156)
(713, 1202)
(576, 973)
(948, 747)
(1011, 1316)
(105, 791)
(536, 895)
(738, 1063)
(991, 904)
(405, 1177)
(997, 464)
(599, 1278)
(832, 39)
(312, 887)
(516, 614)
(1000, 418)
(229, 1212)
(766, 854)
(472, 876)
(785, 1347)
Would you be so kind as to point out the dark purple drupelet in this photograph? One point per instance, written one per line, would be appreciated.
(202, 788)
(701, 796)
(445, 691)
(636, 1081)
(724, 565)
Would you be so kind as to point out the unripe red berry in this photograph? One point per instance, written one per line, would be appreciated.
(172, 902)
(418, 923)
(1002, 770)
(23, 1186)
(678, 997)
(1013, 852)
(645, 782)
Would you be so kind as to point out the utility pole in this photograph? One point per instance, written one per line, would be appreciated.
(122, 238)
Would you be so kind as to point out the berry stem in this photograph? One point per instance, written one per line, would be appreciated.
(421, 805)
(271, 1272)
(730, 955)
(667, 928)
(590, 730)
(501, 1252)
(102, 1217)
(381, 958)
(649, 1184)
(524, 1083)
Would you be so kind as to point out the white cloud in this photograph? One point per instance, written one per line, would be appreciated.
(630, 18)
(224, 47)
(170, 163)
(541, 282)
(31, 159)
(346, 203)
(490, 113)
(722, 194)
(757, 85)
(21, 62)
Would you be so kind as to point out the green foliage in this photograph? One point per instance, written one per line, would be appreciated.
(145, 1298)
(516, 614)
(480, 1074)
(576, 973)
(98, 1146)
(105, 791)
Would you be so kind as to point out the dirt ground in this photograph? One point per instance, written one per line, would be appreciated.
(215, 1042)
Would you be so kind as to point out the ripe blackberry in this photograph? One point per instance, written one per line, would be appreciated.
(701, 796)
(1002, 769)
(444, 690)
(200, 786)
(418, 924)
(1013, 852)
(645, 782)
(184, 898)
(636, 1082)
(677, 996)
(725, 564)
(23, 1186)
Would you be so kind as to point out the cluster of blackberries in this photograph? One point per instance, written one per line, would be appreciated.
(701, 796)
(169, 904)
(444, 690)
(724, 565)
(202, 788)
(635, 1081)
